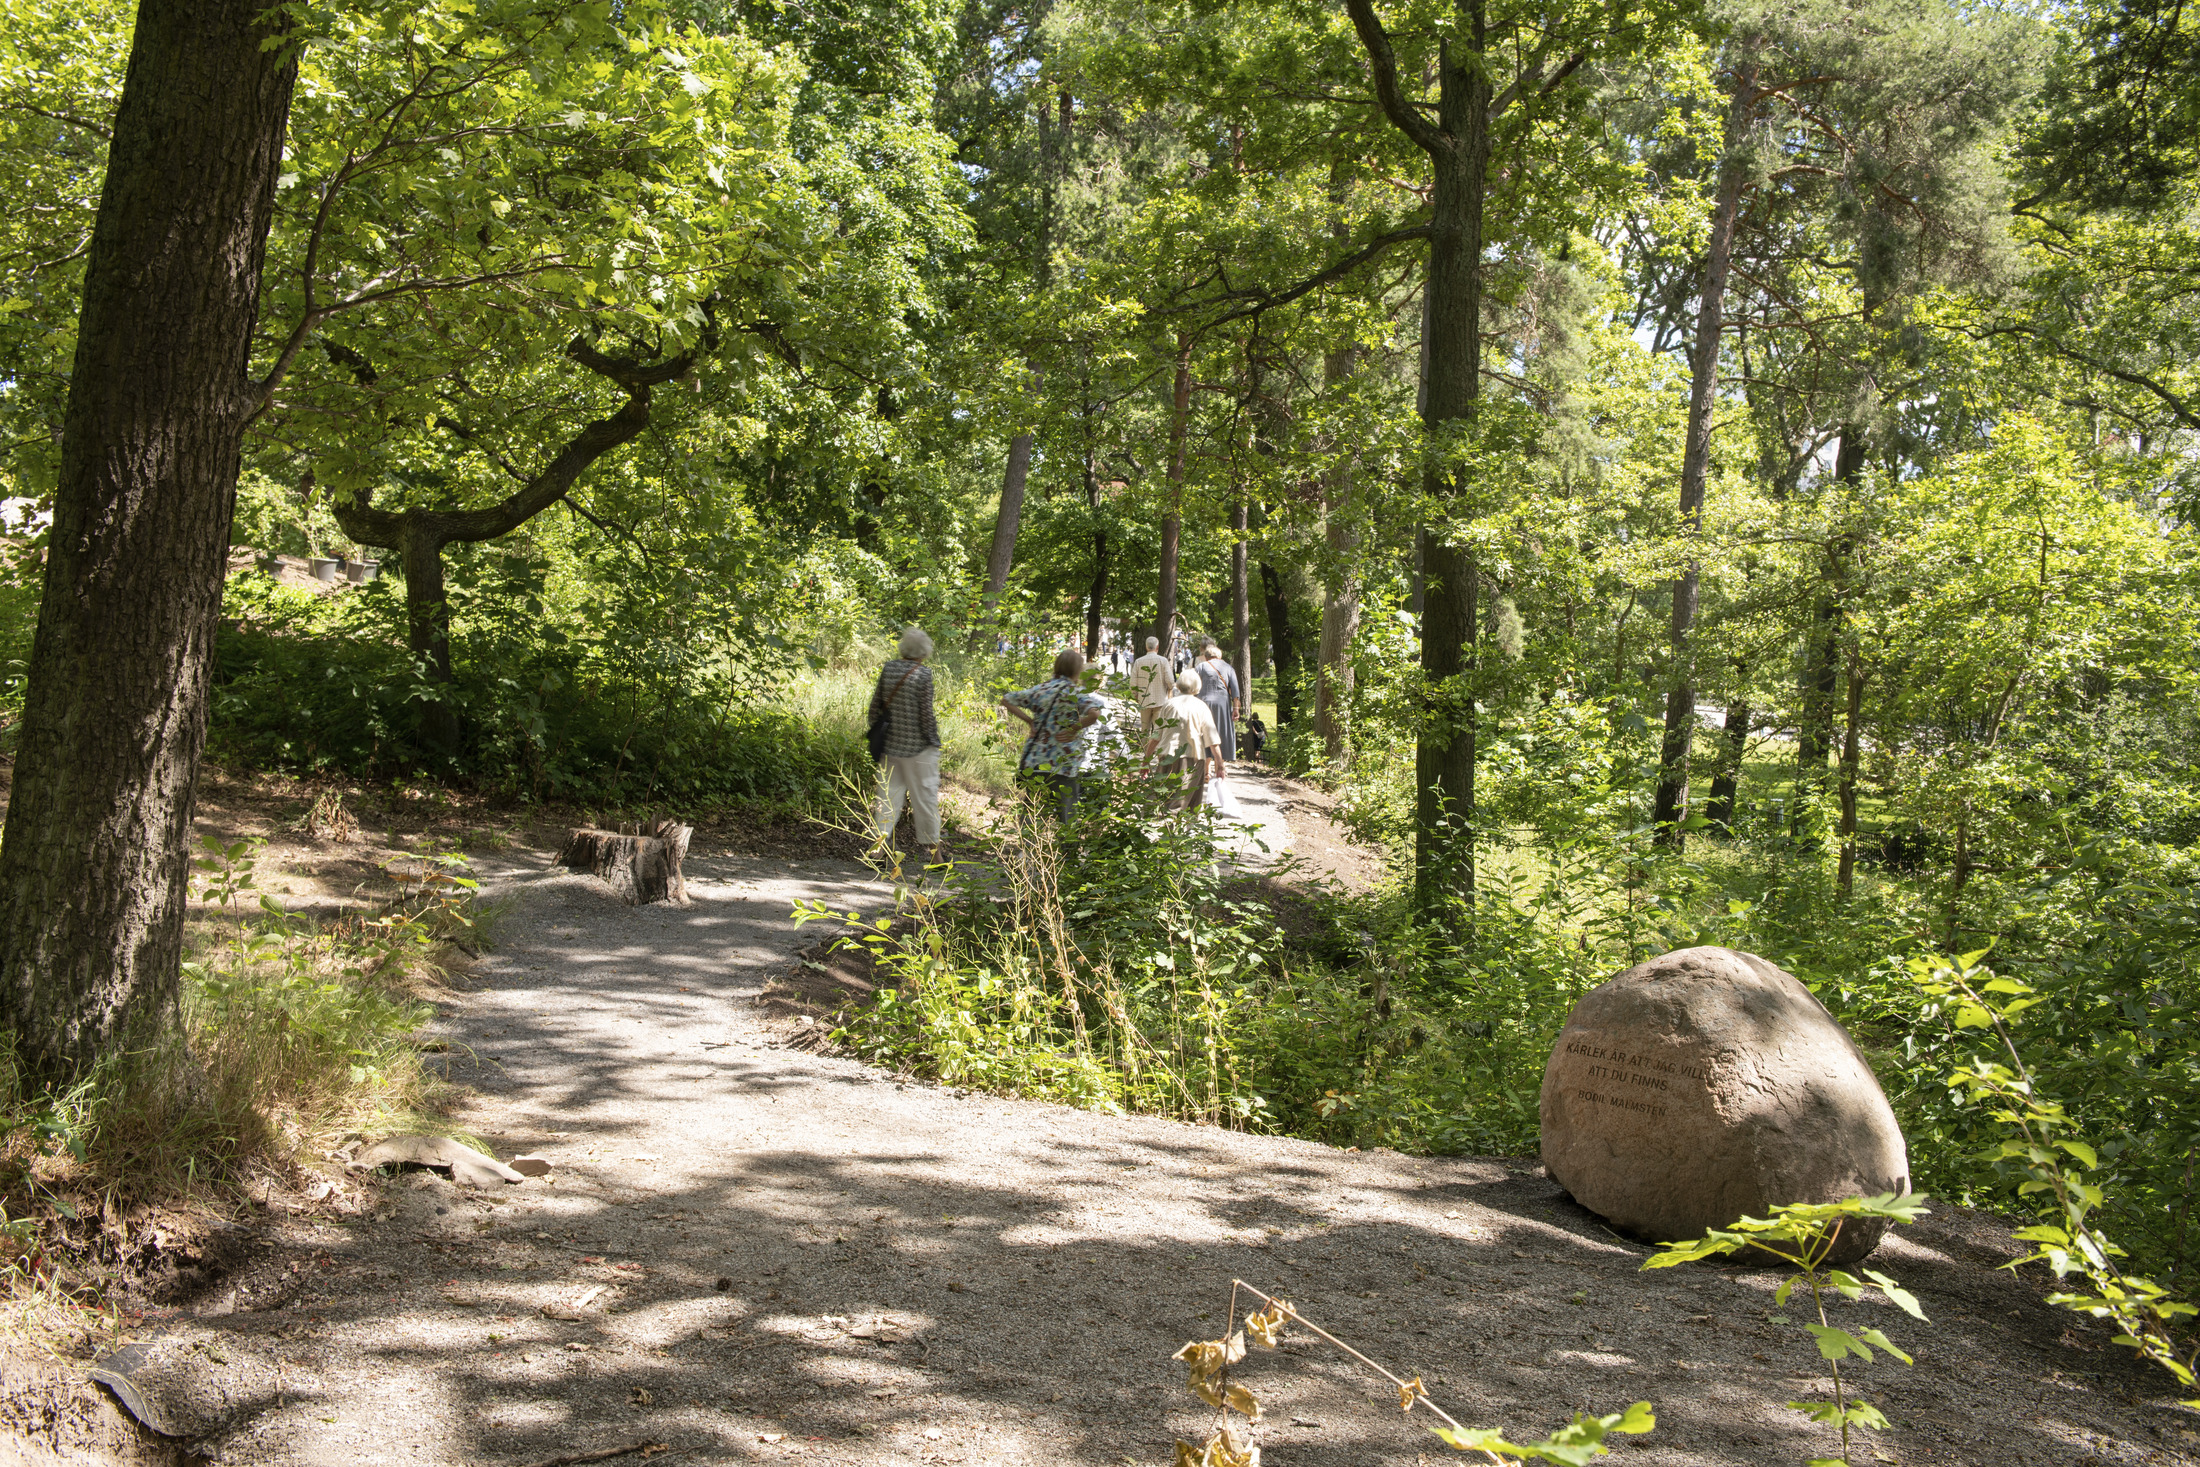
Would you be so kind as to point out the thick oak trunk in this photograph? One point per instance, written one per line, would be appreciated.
(96, 855)
(1444, 759)
(641, 866)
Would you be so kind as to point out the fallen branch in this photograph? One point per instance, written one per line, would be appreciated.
(576, 1458)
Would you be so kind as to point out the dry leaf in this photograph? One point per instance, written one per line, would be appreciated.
(771, 1436)
(1266, 1327)
(1408, 1393)
(1237, 1397)
(1228, 1447)
(1208, 1357)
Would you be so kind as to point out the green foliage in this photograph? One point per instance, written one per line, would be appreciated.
(1803, 1236)
(2059, 1167)
(1099, 963)
(1573, 1444)
(556, 705)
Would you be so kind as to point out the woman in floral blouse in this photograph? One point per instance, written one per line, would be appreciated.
(1057, 711)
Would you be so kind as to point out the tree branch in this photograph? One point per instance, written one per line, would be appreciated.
(1259, 301)
(1382, 64)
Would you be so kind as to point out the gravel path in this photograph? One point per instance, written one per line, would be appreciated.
(772, 1256)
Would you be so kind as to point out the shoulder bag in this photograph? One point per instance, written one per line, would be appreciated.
(875, 737)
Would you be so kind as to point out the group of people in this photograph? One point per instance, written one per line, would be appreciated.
(1188, 723)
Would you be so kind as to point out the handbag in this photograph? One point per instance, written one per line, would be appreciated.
(874, 738)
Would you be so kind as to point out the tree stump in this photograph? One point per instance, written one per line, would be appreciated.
(641, 865)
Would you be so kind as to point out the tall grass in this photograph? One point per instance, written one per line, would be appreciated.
(294, 1036)
(1096, 964)
(977, 750)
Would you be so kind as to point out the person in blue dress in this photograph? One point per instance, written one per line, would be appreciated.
(1219, 690)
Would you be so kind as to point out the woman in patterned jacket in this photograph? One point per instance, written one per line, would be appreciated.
(1056, 711)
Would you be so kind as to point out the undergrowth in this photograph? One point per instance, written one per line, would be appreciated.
(1120, 962)
(293, 1036)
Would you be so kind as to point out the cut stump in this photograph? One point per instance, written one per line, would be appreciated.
(642, 865)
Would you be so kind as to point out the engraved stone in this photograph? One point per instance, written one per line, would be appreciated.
(1705, 1085)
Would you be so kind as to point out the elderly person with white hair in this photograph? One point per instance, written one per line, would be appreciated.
(1152, 681)
(904, 696)
(1185, 740)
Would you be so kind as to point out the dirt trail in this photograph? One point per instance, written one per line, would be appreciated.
(788, 1256)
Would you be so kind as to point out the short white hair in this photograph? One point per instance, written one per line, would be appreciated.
(915, 645)
(1187, 681)
(1152, 642)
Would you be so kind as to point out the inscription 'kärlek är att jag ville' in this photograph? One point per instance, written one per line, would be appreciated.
(1656, 1064)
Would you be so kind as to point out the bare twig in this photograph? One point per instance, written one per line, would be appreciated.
(1412, 1390)
(574, 1459)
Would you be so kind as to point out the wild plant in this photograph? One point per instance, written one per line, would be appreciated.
(1803, 1236)
(2056, 1162)
(1099, 963)
(1231, 1444)
(292, 1036)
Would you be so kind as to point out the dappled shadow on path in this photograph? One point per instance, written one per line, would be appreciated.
(796, 1257)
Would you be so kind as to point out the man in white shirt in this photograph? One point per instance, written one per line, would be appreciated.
(1185, 739)
(1152, 679)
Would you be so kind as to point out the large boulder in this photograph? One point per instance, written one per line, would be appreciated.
(1705, 1085)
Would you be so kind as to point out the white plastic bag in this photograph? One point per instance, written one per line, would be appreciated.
(1217, 794)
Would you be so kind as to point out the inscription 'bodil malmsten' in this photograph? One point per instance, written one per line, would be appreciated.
(1708, 1084)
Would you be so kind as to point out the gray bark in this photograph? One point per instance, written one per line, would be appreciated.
(1671, 801)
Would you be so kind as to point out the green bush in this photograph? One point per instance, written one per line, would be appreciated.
(547, 710)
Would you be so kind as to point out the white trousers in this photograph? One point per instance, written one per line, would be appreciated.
(916, 779)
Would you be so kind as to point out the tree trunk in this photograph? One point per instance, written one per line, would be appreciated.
(428, 629)
(1241, 609)
(1333, 680)
(1445, 756)
(1172, 519)
(1096, 597)
(1726, 783)
(1851, 752)
(1002, 557)
(94, 864)
(1822, 654)
(1340, 592)
(1283, 643)
(642, 866)
(1671, 802)
(1457, 143)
